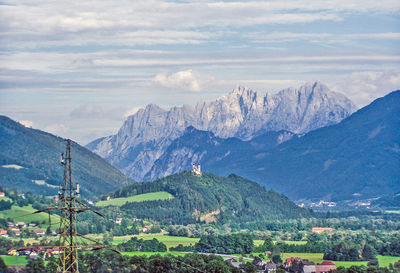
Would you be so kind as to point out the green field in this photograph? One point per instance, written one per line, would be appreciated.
(160, 195)
(24, 214)
(14, 260)
(318, 258)
(384, 261)
(147, 254)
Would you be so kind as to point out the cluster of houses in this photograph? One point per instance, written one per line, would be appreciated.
(34, 252)
(306, 266)
(16, 228)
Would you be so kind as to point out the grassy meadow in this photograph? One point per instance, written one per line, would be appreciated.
(160, 195)
(26, 215)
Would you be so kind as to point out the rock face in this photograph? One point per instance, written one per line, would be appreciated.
(356, 158)
(243, 113)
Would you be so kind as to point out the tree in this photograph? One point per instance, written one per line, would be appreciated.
(276, 259)
(35, 266)
(51, 266)
(368, 253)
(248, 268)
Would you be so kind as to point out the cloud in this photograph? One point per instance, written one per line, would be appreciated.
(35, 23)
(58, 129)
(87, 111)
(100, 112)
(364, 87)
(182, 80)
(27, 123)
(131, 111)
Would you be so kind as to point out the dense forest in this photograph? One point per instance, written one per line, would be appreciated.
(209, 198)
(38, 153)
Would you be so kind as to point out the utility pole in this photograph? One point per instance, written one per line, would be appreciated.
(68, 205)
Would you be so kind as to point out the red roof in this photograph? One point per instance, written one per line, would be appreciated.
(327, 263)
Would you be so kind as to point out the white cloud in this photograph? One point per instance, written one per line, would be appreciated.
(364, 87)
(58, 129)
(182, 80)
(131, 111)
(27, 123)
(47, 23)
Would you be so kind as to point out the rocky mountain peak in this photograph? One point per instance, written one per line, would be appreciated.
(243, 113)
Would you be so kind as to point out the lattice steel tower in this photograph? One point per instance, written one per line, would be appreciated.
(69, 206)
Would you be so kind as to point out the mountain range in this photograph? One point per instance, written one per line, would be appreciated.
(358, 158)
(29, 161)
(244, 114)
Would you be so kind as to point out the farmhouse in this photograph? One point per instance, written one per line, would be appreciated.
(309, 267)
(40, 232)
(325, 267)
(289, 261)
(21, 224)
(118, 220)
(2, 194)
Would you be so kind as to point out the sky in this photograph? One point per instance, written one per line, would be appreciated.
(77, 69)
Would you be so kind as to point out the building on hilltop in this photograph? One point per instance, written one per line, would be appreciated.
(196, 170)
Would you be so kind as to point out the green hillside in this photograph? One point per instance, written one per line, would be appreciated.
(161, 195)
(208, 198)
(26, 215)
(30, 161)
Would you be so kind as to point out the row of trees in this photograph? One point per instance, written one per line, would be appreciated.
(135, 244)
(107, 261)
(226, 244)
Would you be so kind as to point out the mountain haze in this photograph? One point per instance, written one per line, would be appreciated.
(30, 161)
(243, 113)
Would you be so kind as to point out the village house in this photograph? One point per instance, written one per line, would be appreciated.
(146, 228)
(18, 233)
(2, 194)
(289, 261)
(21, 225)
(3, 233)
(321, 229)
(309, 267)
(325, 267)
(33, 255)
(40, 232)
(118, 220)
(13, 252)
(14, 228)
